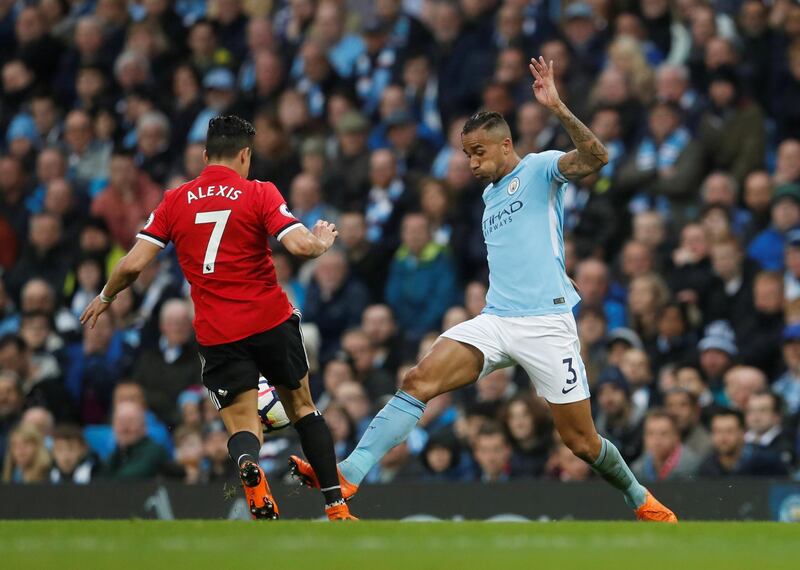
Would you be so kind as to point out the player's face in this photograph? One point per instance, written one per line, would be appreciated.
(487, 154)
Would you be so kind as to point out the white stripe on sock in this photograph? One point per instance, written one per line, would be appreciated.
(331, 488)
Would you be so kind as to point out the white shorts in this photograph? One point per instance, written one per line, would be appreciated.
(546, 346)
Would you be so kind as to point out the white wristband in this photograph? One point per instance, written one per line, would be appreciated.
(106, 299)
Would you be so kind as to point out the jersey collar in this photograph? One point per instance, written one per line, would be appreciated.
(219, 169)
(505, 178)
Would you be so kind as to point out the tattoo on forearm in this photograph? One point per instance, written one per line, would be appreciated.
(589, 156)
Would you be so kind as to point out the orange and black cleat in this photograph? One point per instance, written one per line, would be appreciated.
(303, 471)
(339, 512)
(259, 498)
(653, 511)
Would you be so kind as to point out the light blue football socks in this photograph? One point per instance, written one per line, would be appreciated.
(389, 428)
(612, 468)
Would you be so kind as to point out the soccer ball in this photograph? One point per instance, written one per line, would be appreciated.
(270, 409)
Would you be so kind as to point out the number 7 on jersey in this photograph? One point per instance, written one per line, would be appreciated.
(219, 218)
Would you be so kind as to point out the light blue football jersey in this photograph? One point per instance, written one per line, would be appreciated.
(523, 230)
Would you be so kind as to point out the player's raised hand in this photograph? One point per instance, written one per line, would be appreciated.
(96, 308)
(326, 232)
(544, 84)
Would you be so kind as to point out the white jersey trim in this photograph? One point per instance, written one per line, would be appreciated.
(285, 231)
(159, 243)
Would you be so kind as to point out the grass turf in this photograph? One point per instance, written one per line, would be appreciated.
(295, 545)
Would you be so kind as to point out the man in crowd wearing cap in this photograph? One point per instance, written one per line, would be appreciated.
(767, 247)
(616, 417)
(732, 130)
(765, 429)
(619, 341)
(415, 154)
(787, 386)
(373, 69)
(220, 99)
(731, 456)
(685, 410)
(717, 350)
(665, 457)
(583, 37)
(349, 165)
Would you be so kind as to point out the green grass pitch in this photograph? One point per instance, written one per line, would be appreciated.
(290, 545)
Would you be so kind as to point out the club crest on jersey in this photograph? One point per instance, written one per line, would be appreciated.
(150, 219)
(513, 186)
(284, 209)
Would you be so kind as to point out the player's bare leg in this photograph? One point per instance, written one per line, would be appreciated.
(317, 443)
(576, 427)
(242, 422)
(448, 365)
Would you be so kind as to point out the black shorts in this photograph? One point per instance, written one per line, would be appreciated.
(277, 354)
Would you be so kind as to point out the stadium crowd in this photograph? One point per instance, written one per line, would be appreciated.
(685, 247)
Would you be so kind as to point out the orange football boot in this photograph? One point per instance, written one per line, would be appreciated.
(654, 511)
(339, 512)
(256, 489)
(303, 471)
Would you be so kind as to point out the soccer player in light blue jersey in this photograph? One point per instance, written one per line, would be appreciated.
(528, 316)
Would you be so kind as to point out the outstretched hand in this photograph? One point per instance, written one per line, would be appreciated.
(326, 232)
(96, 308)
(544, 84)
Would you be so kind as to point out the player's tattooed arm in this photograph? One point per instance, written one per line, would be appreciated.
(590, 154)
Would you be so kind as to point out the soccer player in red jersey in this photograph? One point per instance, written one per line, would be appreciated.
(220, 224)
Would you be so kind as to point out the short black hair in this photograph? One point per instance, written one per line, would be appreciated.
(15, 340)
(728, 412)
(484, 120)
(227, 135)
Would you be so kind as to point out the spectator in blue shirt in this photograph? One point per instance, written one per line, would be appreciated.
(767, 247)
(421, 284)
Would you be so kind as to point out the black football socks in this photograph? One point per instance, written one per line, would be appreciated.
(317, 442)
(244, 446)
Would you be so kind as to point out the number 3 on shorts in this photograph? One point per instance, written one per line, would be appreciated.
(219, 218)
(571, 371)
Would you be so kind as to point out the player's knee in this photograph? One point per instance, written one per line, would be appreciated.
(419, 384)
(582, 446)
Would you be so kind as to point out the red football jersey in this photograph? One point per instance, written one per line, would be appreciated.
(220, 224)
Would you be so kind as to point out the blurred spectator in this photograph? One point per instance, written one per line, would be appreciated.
(732, 130)
(421, 282)
(616, 417)
(27, 459)
(440, 458)
(306, 201)
(45, 256)
(72, 460)
(216, 466)
(350, 163)
(675, 340)
(377, 382)
(135, 456)
(171, 367)
(685, 411)
(529, 428)
(636, 369)
(342, 430)
(787, 167)
(492, 454)
(334, 301)
(787, 386)
(95, 366)
(11, 402)
(665, 457)
(88, 157)
(767, 247)
(41, 377)
(731, 456)
(380, 327)
(127, 200)
(188, 453)
(717, 350)
(388, 199)
(764, 420)
(646, 297)
(766, 324)
(592, 280)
